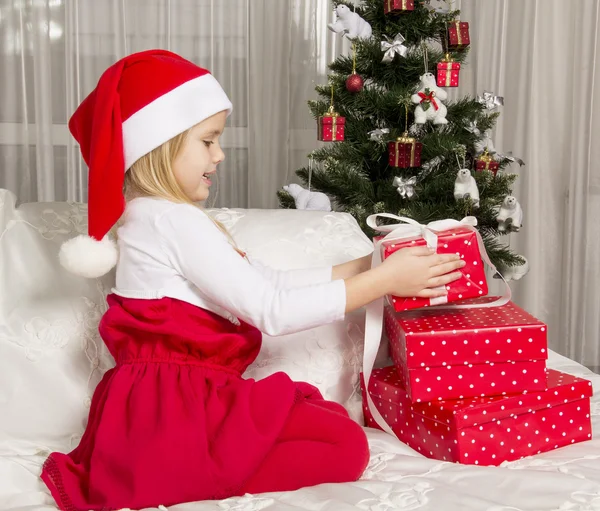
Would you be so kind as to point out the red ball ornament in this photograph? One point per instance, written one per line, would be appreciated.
(355, 83)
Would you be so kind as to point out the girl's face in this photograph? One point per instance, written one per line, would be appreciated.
(199, 156)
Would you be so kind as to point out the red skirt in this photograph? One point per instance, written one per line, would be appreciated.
(175, 422)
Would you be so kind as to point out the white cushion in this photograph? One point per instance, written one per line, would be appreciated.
(329, 356)
(52, 358)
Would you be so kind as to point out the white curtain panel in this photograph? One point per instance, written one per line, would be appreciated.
(269, 54)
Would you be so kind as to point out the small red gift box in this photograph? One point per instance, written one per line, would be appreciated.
(454, 354)
(447, 73)
(331, 127)
(485, 431)
(405, 152)
(398, 6)
(486, 162)
(458, 35)
(461, 241)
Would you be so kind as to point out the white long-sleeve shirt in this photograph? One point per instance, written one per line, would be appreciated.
(175, 250)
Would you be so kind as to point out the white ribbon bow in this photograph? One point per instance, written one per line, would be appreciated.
(405, 187)
(510, 157)
(394, 47)
(408, 228)
(490, 100)
(428, 166)
(472, 128)
(378, 133)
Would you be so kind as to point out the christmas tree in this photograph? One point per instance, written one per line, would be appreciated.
(394, 150)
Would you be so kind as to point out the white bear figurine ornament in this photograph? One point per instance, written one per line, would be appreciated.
(465, 187)
(350, 24)
(510, 216)
(315, 201)
(429, 100)
(514, 272)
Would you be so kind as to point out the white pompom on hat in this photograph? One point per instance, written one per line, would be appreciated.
(139, 103)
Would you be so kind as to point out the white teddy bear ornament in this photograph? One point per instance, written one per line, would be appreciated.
(304, 199)
(510, 216)
(514, 272)
(465, 187)
(350, 24)
(429, 101)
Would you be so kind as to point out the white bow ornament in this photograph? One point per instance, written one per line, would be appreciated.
(405, 186)
(392, 48)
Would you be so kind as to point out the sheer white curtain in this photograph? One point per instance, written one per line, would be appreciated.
(53, 52)
(269, 54)
(290, 48)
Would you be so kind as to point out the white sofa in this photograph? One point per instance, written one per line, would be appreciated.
(51, 359)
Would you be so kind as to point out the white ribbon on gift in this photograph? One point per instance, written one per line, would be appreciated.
(409, 228)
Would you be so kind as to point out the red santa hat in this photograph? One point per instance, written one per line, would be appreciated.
(140, 102)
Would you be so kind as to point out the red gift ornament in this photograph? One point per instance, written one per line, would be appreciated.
(482, 430)
(458, 35)
(482, 351)
(331, 125)
(405, 152)
(448, 72)
(398, 6)
(486, 162)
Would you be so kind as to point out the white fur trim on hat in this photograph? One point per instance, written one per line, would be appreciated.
(87, 257)
(172, 114)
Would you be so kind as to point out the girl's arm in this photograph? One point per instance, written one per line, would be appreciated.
(309, 276)
(199, 252)
(352, 268)
(286, 279)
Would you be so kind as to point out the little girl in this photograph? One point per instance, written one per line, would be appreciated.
(174, 421)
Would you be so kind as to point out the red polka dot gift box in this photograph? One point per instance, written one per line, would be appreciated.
(489, 430)
(462, 241)
(444, 353)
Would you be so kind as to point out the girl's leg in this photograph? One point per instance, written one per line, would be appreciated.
(319, 444)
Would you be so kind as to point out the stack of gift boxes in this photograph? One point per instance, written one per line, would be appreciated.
(470, 385)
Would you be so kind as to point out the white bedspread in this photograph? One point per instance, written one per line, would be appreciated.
(397, 479)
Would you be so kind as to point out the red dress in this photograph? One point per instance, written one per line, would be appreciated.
(175, 422)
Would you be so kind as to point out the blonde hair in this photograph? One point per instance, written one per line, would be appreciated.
(152, 176)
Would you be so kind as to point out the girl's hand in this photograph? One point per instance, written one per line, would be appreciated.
(416, 271)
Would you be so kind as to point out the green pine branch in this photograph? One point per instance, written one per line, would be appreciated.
(356, 175)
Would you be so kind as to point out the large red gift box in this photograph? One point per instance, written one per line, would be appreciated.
(461, 241)
(457, 353)
(489, 430)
